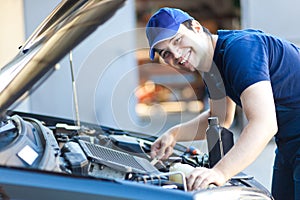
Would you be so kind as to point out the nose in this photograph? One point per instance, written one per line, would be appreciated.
(175, 51)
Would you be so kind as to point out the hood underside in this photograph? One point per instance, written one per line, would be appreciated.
(66, 26)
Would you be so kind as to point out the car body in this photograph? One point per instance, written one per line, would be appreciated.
(44, 157)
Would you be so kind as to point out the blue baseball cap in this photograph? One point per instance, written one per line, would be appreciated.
(163, 25)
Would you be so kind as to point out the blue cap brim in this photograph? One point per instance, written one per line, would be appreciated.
(162, 35)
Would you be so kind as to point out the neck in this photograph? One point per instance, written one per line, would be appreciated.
(210, 62)
(214, 39)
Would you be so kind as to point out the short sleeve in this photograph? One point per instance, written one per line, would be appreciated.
(246, 62)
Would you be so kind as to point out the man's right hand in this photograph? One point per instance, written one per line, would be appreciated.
(163, 146)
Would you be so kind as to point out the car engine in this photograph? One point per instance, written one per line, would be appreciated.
(53, 144)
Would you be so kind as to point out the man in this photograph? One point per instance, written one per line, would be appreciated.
(257, 71)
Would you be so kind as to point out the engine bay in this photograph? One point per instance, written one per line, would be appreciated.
(53, 144)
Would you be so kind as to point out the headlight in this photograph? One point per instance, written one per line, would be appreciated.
(231, 193)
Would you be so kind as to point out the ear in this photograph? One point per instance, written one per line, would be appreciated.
(197, 26)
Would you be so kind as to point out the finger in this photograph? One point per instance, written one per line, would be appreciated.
(160, 154)
(190, 181)
(155, 148)
(196, 178)
(197, 183)
(168, 152)
(204, 181)
(156, 145)
(153, 154)
(162, 149)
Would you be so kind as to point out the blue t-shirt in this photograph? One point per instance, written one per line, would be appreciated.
(245, 57)
(250, 56)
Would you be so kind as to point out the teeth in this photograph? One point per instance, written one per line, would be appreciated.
(184, 60)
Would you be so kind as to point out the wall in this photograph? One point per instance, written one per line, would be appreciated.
(274, 16)
(12, 29)
(12, 34)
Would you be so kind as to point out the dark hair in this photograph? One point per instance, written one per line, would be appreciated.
(189, 24)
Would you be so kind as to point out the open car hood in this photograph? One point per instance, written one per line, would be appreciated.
(69, 24)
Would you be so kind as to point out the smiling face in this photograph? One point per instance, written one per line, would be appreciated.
(190, 50)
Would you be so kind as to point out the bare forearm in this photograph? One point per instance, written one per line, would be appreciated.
(256, 99)
(193, 129)
(250, 144)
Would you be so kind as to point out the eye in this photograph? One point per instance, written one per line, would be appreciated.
(177, 39)
(165, 54)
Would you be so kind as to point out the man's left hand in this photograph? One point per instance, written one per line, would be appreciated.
(202, 178)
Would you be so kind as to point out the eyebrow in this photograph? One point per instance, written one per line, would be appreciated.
(159, 51)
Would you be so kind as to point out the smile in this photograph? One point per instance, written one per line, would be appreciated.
(185, 58)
